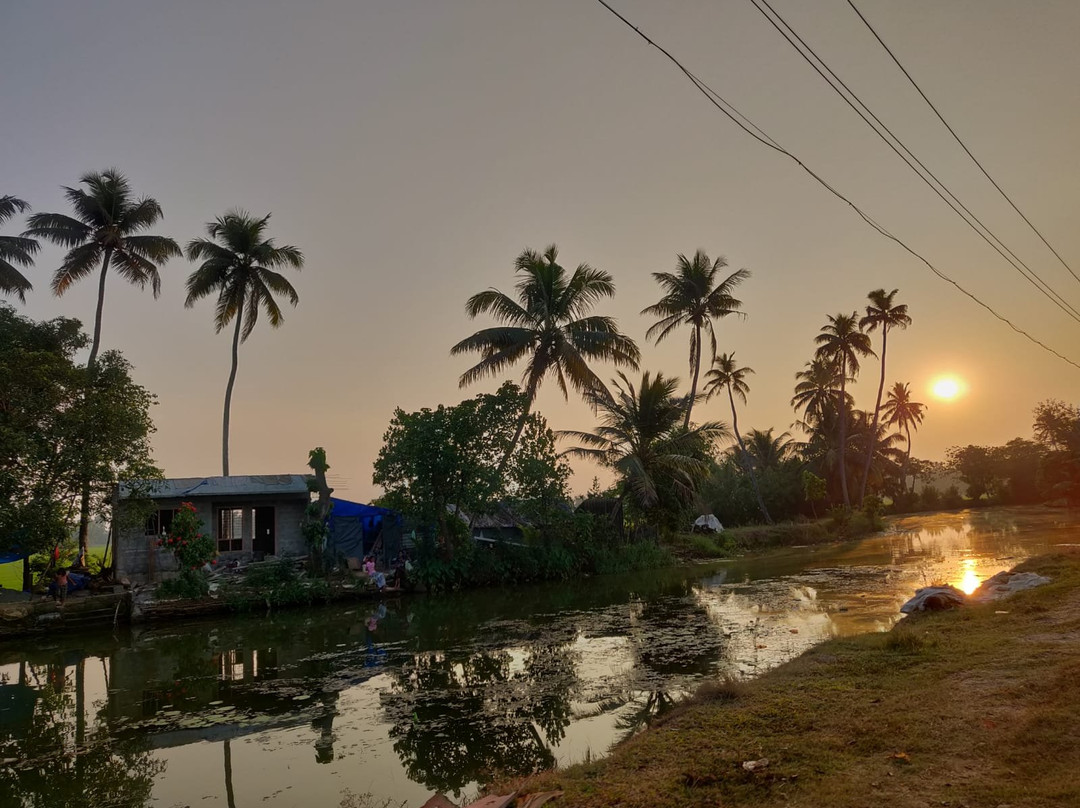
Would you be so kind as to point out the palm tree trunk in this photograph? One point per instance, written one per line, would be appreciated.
(230, 798)
(517, 434)
(229, 389)
(695, 362)
(871, 446)
(91, 363)
(907, 456)
(842, 448)
(746, 459)
(96, 344)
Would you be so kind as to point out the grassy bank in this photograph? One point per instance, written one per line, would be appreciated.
(974, 707)
(761, 538)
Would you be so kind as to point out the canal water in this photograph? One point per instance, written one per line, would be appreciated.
(414, 695)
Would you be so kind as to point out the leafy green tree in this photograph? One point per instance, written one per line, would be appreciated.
(882, 313)
(641, 438)
(15, 250)
(902, 412)
(814, 489)
(60, 430)
(694, 297)
(549, 327)
(979, 467)
(726, 375)
(434, 462)
(105, 232)
(1057, 430)
(239, 265)
(843, 342)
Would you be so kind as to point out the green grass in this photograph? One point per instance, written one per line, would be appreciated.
(977, 706)
(11, 574)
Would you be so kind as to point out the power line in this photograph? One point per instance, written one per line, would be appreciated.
(963, 145)
(759, 135)
(925, 174)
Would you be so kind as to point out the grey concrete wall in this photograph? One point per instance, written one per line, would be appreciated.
(139, 559)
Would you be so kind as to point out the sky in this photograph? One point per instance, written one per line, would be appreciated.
(412, 148)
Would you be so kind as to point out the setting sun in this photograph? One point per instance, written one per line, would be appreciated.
(947, 387)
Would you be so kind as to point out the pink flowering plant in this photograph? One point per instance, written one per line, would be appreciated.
(192, 547)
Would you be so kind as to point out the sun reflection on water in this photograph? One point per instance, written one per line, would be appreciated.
(969, 579)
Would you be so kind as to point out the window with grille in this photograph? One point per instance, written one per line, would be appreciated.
(230, 530)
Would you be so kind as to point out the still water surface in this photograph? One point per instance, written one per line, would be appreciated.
(423, 694)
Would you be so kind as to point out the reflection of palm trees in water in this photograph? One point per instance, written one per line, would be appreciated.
(459, 714)
(60, 759)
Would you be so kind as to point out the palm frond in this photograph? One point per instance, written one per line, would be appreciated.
(58, 228)
(78, 263)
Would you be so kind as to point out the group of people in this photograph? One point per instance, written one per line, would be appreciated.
(399, 575)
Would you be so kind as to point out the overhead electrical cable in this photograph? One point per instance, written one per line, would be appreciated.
(963, 145)
(759, 135)
(913, 162)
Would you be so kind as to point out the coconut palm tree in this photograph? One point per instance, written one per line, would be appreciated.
(239, 264)
(693, 297)
(15, 250)
(883, 313)
(105, 232)
(726, 375)
(549, 327)
(887, 460)
(817, 391)
(902, 412)
(640, 436)
(767, 450)
(842, 342)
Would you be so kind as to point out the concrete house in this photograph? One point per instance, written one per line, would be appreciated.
(249, 518)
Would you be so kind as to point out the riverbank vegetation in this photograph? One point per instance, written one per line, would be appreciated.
(977, 706)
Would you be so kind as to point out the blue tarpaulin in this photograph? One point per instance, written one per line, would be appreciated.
(357, 530)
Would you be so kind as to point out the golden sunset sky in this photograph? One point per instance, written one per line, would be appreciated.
(412, 148)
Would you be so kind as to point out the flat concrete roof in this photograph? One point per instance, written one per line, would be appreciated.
(232, 486)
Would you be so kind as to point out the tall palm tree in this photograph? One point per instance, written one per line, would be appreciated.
(15, 250)
(550, 327)
(727, 375)
(817, 391)
(239, 264)
(883, 313)
(105, 232)
(693, 297)
(640, 437)
(887, 459)
(902, 412)
(842, 342)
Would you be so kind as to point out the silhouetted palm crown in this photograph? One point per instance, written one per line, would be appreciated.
(900, 410)
(841, 342)
(548, 325)
(15, 250)
(726, 373)
(240, 265)
(108, 221)
(817, 390)
(694, 297)
(882, 313)
(641, 437)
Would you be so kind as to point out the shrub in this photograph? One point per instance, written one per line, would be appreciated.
(952, 499)
(185, 539)
(190, 583)
(930, 498)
